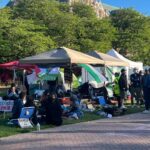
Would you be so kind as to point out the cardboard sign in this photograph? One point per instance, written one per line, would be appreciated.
(6, 106)
(24, 123)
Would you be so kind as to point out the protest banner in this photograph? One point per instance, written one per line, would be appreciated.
(6, 106)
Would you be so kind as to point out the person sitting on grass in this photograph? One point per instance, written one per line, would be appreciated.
(75, 111)
(42, 107)
(18, 105)
(53, 110)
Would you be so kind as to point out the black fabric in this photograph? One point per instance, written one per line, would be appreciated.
(118, 98)
(146, 80)
(101, 92)
(52, 86)
(16, 110)
(123, 82)
(84, 89)
(135, 80)
(53, 112)
(147, 97)
(114, 111)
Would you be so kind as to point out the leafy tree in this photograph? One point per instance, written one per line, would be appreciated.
(94, 34)
(133, 33)
(33, 26)
(79, 29)
(83, 11)
(20, 38)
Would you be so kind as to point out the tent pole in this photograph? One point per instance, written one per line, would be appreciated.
(24, 71)
(71, 76)
(14, 75)
(105, 70)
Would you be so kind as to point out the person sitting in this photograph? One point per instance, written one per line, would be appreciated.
(42, 108)
(75, 110)
(53, 111)
(18, 105)
(13, 93)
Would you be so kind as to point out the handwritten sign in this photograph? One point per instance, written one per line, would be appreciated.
(24, 123)
(6, 106)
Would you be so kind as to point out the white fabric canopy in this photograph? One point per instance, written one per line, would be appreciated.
(132, 64)
(108, 60)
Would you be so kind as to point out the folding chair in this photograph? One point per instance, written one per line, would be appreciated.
(25, 116)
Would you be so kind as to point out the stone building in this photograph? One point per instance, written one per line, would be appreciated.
(102, 10)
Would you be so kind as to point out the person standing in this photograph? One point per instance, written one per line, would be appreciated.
(123, 86)
(116, 89)
(135, 87)
(146, 90)
(141, 73)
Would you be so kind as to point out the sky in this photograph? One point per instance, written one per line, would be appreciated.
(142, 6)
(3, 2)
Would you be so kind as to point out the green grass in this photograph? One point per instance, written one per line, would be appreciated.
(135, 109)
(7, 130)
(88, 116)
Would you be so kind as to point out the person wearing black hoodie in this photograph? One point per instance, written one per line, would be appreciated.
(53, 111)
(123, 85)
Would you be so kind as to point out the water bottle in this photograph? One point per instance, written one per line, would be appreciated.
(38, 127)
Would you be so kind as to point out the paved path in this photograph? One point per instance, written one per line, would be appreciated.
(130, 132)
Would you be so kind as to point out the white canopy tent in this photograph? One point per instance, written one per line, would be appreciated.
(132, 64)
(129, 69)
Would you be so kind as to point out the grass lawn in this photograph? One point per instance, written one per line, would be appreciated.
(7, 130)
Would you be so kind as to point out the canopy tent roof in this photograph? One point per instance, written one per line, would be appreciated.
(16, 65)
(132, 64)
(108, 60)
(61, 56)
(95, 78)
